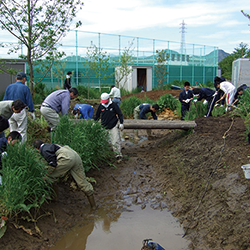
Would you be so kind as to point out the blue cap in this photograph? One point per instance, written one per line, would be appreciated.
(21, 75)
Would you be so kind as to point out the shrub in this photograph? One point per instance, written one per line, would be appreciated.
(89, 139)
(167, 100)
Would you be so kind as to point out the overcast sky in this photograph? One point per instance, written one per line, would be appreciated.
(208, 22)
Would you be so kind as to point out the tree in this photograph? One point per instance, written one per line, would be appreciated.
(160, 68)
(242, 51)
(38, 25)
(98, 62)
(226, 64)
(124, 61)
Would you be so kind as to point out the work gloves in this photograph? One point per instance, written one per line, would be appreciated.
(33, 115)
(121, 127)
(187, 100)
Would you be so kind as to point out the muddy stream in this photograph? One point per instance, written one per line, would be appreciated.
(125, 230)
(134, 209)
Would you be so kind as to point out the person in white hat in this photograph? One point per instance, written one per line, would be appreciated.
(108, 111)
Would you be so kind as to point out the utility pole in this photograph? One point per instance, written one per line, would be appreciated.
(183, 46)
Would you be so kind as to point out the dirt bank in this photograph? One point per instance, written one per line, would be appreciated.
(171, 170)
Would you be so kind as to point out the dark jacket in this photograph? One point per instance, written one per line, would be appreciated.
(206, 93)
(3, 145)
(144, 109)
(108, 115)
(67, 84)
(48, 151)
(184, 96)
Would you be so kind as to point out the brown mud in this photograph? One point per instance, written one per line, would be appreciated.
(196, 175)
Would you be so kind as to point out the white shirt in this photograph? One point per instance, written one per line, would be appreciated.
(227, 87)
(115, 92)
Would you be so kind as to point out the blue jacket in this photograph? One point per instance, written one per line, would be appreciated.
(18, 90)
(144, 109)
(86, 111)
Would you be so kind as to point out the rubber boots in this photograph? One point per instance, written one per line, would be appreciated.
(149, 134)
(92, 201)
(136, 134)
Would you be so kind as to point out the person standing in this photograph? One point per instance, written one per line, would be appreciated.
(11, 110)
(108, 112)
(209, 95)
(67, 83)
(185, 97)
(116, 93)
(19, 90)
(55, 103)
(140, 113)
(228, 88)
(83, 111)
(63, 159)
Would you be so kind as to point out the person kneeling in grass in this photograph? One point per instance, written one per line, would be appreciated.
(63, 159)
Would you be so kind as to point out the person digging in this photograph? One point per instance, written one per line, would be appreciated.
(140, 113)
(61, 160)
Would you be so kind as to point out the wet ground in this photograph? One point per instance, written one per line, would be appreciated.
(196, 176)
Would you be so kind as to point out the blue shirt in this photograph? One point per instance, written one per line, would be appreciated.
(144, 109)
(18, 90)
(86, 111)
(59, 101)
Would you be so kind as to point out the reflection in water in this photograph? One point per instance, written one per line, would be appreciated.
(116, 227)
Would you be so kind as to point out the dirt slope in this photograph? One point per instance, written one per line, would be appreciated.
(171, 170)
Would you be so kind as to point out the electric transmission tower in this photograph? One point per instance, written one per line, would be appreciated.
(183, 46)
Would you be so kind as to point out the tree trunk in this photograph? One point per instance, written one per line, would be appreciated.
(155, 124)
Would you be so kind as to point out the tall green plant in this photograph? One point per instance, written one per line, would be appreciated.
(24, 181)
(89, 139)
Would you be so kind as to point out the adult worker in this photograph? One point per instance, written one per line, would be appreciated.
(11, 110)
(63, 159)
(209, 95)
(55, 103)
(19, 90)
(140, 113)
(108, 112)
(67, 84)
(83, 111)
(185, 97)
(228, 89)
(116, 93)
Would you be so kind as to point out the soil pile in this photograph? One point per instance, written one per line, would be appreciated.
(196, 175)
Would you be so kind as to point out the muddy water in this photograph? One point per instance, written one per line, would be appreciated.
(124, 228)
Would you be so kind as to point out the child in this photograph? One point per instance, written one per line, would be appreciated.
(228, 88)
(185, 97)
(209, 95)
